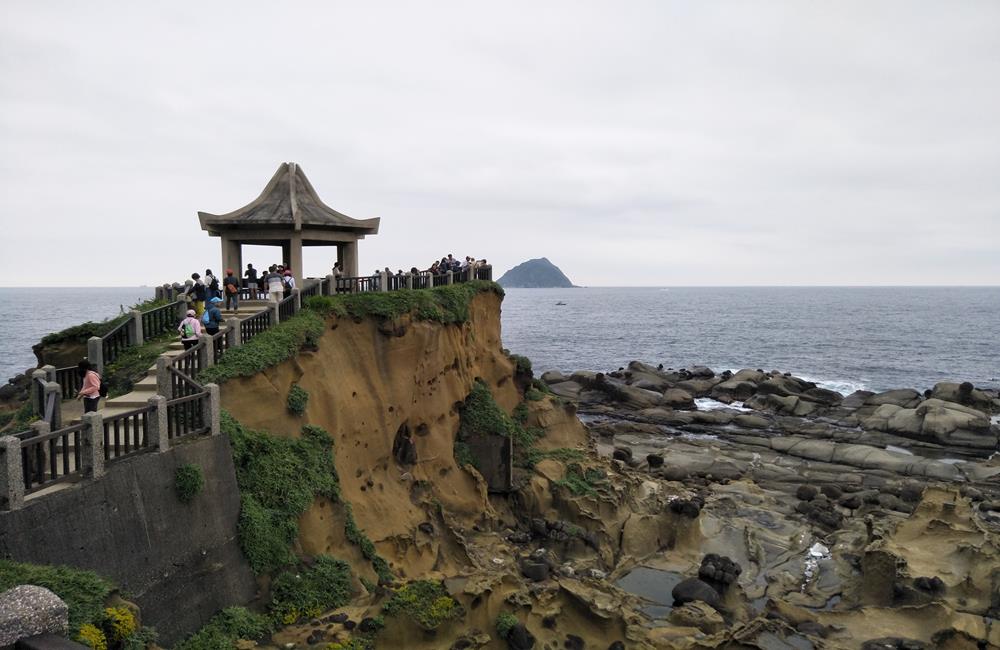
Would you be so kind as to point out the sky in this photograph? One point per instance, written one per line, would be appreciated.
(632, 143)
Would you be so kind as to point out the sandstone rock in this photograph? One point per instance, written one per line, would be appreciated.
(28, 610)
(573, 642)
(734, 389)
(519, 638)
(687, 507)
(831, 492)
(751, 421)
(894, 643)
(719, 570)
(677, 398)
(692, 589)
(553, 377)
(856, 399)
(699, 615)
(806, 493)
(965, 394)
(698, 387)
(654, 460)
(623, 454)
(904, 398)
(567, 389)
(534, 571)
(932, 585)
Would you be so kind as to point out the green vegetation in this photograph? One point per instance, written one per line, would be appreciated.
(534, 395)
(225, 628)
(80, 333)
(298, 398)
(133, 364)
(581, 481)
(505, 623)
(425, 601)
(447, 304)
(83, 591)
(18, 420)
(522, 365)
(267, 349)
(309, 590)
(357, 537)
(278, 478)
(532, 457)
(188, 482)
(480, 414)
(463, 455)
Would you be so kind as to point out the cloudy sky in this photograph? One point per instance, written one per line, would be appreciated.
(632, 143)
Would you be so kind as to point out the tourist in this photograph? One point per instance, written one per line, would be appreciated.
(338, 277)
(199, 293)
(90, 391)
(251, 275)
(190, 329)
(212, 283)
(288, 282)
(232, 287)
(275, 288)
(213, 316)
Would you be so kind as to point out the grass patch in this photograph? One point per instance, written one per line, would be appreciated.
(505, 623)
(581, 481)
(447, 304)
(134, 363)
(426, 602)
(358, 537)
(522, 365)
(83, 591)
(267, 349)
(278, 478)
(480, 414)
(188, 482)
(298, 398)
(225, 628)
(19, 419)
(308, 591)
(532, 457)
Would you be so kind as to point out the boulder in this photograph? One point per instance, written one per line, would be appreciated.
(534, 571)
(677, 398)
(28, 610)
(904, 398)
(692, 589)
(965, 394)
(698, 387)
(806, 493)
(734, 389)
(856, 399)
(519, 638)
(698, 615)
(719, 570)
(567, 389)
(751, 421)
(553, 377)
(654, 461)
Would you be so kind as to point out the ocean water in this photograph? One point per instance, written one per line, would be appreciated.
(843, 338)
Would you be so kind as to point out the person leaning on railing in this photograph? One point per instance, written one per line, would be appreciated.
(90, 391)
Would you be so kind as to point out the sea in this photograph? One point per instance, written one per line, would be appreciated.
(843, 338)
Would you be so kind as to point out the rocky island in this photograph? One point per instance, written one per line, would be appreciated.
(535, 274)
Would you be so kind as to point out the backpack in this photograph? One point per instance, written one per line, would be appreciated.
(286, 284)
(214, 286)
(231, 289)
(187, 329)
(103, 390)
(206, 318)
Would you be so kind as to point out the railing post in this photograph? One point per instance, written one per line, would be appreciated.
(275, 318)
(37, 392)
(206, 350)
(95, 353)
(50, 372)
(156, 433)
(213, 409)
(182, 308)
(163, 384)
(93, 445)
(409, 280)
(11, 474)
(297, 294)
(383, 281)
(136, 326)
(450, 277)
(233, 338)
(53, 395)
(158, 293)
(330, 289)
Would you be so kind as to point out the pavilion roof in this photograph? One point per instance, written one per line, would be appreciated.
(288, 201)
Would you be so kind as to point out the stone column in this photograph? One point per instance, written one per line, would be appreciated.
(93, 446)
(233, 336)
(50, 372)
(296, 259)
(53, 395)
(157, 432)
(206, 350)
(450, 277)
(182, 308)
(286, 252)
(136, 326)
(350, 259)
(213, 409)
(95, 353)
(37, 393)
(297, 294)
(275, 319)
(158, 293)
(383, 281)
(11, 474)
(330, 285)
(409, 280)
(232, 256)
(164, 386)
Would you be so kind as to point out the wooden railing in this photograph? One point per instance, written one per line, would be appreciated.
(125, 434)
(286, 308)
(69, 381)
(220, 343)
(116, 341)
(254, 325)
(51, 458)
(186, 416)
(159, 321)
(189, 362)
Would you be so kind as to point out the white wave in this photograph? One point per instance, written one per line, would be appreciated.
(951, 461)
(709, 404)
(995, 420)
(698, 436)
(815, 553)
(843, 386)
(899, 450)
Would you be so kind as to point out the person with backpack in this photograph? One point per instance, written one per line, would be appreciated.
(199, 292)
(212, 283)
(232, 288)
(288, 282)
(190, 329)
(93, 388)
(212, 318)
(275, 287)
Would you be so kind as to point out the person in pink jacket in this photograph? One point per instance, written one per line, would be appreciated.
(90, 392)
(190, 329)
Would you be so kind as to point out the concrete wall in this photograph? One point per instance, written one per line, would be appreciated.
(180, 563)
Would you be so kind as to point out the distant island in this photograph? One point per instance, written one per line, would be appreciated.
(535, 274)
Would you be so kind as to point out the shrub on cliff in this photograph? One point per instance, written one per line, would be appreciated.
(267, 349)
(227, 627)
(80, 333)
(447, 304)
(83, 591)
(298, 398)
(188, 482)
(309, 590)
(426, 602)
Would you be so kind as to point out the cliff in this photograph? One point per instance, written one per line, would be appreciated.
(535, 274)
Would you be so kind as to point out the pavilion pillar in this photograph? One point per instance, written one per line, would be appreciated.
(286, 252)
(295, 258)
(232, 256)
(340, 255)
(350, 258)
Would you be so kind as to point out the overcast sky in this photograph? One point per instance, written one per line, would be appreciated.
(631, 143)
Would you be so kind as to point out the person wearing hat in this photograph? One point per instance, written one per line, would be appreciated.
(190, 329)
(288, 282)
(231, 287)
(212, 318)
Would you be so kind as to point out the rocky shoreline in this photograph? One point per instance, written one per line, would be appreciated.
(869, 520)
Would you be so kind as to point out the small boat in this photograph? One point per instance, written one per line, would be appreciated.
(561, 303)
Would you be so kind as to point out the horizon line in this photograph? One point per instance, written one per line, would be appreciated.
(621, 286)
